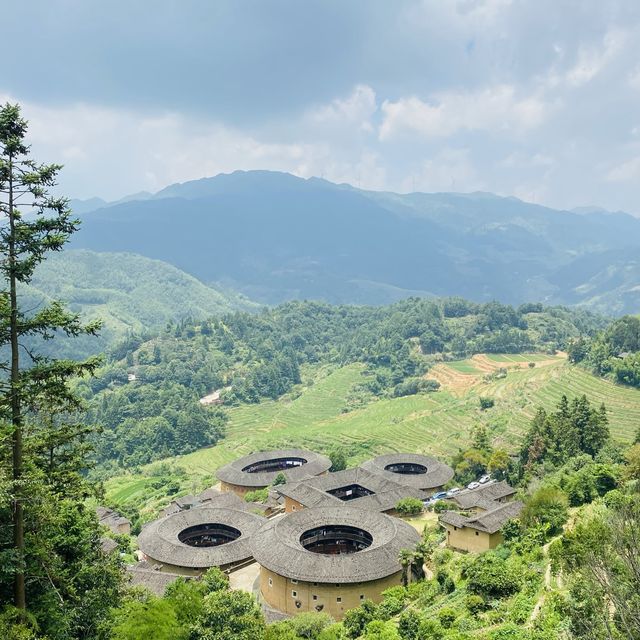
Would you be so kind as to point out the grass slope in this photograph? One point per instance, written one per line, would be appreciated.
(128, 292)
(437, 423)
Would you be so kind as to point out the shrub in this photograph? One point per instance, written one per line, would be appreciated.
(280, 479)
(491, 576)
(310, 625)
(355, 620)
(390, 607)
(333, 632)
(449, 586)
(441, 506)
(431, 630)
(447, 617)
(486, 403)
(259, 495)
(409, 507)
(547, 505)
(280, 631)
(398, 592)
(338, 457)
(475, 604)
(409, 624)
(215, 580)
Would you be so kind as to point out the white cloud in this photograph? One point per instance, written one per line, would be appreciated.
(112, 152)
(591, 60)
(495, 109)
(625, 172)
(357, 110)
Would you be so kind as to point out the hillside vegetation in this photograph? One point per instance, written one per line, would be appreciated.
(318, 415)
(147, 399)
(614, 353)
(279, 237)
(128, 293)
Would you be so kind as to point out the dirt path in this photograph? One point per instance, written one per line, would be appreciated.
(547, 574)
(244, 579)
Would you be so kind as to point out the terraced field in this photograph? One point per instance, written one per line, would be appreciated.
(460, 375)
(437, 423)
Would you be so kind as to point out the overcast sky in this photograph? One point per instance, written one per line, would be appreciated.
(534, 98)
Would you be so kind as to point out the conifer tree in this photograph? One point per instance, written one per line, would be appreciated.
(32, 224)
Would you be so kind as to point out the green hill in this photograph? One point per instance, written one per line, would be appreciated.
(128, 292)
(316, 415)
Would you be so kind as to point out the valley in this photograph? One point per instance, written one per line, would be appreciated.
(439, 423)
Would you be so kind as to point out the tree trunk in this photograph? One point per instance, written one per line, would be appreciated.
(19, 594)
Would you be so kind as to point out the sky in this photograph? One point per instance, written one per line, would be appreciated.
(539, 99)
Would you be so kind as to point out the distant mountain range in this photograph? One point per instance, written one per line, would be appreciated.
(273, 236)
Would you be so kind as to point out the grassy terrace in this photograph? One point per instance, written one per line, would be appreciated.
(437, 423)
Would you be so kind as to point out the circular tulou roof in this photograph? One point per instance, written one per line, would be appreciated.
(437, 473)
(159, 539)
(233, 473)
(277, 546)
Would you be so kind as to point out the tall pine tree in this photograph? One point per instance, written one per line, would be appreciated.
(33, 223)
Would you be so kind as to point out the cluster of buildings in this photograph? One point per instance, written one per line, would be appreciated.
(324, 541)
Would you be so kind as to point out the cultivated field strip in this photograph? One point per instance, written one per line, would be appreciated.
(438, 423)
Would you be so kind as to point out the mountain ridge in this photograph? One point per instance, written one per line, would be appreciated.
(274, 236)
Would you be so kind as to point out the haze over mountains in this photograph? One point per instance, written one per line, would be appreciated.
(127, 293)
(273, 236)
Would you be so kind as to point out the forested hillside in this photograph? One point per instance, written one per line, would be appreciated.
(278, 237)
(128, 293)
(146, 398)
(613, 353)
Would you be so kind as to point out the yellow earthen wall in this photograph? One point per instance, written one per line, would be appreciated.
(279, 593)
(291, 505)
(465, 539)
(237, 489)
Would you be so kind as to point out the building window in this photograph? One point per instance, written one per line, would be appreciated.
(338, 599)
(315, 597)
(455, 528)
(477, 533)
(294, 594)
(270, 582)
(293, 507)
(294, 581)
(362, 596)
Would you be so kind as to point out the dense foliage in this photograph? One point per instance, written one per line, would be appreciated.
(613, 353)
(146, 398)
(574, 428)
(55, 582)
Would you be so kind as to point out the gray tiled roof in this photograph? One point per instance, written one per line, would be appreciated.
(313, 491)
(208, 498)
(277, 546)
(484, 495)
(110, 518)
(159, 539)
(233, 473)
(108, 545)
(487, 521)
(437, 475)
(155, 581)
